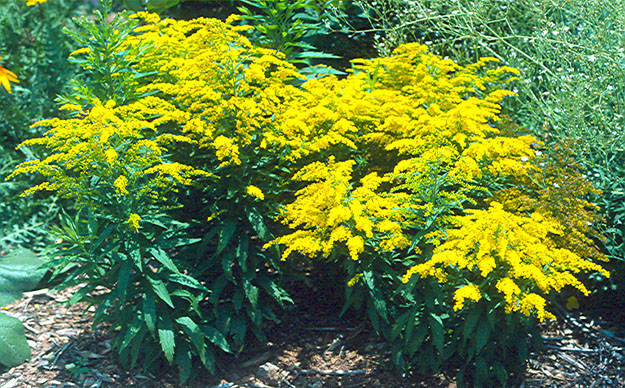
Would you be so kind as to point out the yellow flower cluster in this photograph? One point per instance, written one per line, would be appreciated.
(516, 251)
(425, 135)
(330, 210)
(470, 292)
(255, 192)
(118, 144)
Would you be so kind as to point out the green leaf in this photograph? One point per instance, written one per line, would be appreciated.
(217, 288)
(316, 54)
(501, 373)
(149, 312)
(216, 337)
(225, 234)
(160, 290)
(238, 328)
(187, 280)
(227, 262)
(161, 5)
(242, 249)
(14, 348)
(163, 258)
(134, 5)
(195, 335)
(251, 292)
(123, 279)
(470, 322)
(481, 336)
(438, 332)
(277, 293)
(184, 362)
(256, 220)
(19, 271)
(481, 371)
(166, 337)
(399, 325)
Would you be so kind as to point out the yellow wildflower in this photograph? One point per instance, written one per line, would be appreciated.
(471, 292)
(34, 2)
(255, 192)
(134, 221)
(6, 77)
(120, 185)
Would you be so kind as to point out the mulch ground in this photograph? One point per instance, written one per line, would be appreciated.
(309, 349)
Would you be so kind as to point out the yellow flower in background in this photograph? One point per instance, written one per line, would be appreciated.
(34, 2)
(572, 303)
(6, 77)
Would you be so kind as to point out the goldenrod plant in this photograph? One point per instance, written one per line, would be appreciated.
(406, 158)
(197, 161)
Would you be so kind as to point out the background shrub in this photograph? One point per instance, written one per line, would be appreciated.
(32, 45)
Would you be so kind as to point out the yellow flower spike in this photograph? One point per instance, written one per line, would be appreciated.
(6, 77)
(255, 192)
(470, 292)
(120, 185)
(134, 221)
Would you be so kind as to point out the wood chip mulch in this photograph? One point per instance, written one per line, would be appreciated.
(306, 351)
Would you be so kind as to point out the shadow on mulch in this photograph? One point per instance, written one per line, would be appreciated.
(311, 348)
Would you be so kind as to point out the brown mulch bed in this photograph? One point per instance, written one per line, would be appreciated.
(305, 350)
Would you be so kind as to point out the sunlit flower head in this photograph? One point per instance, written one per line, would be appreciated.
(6, 77)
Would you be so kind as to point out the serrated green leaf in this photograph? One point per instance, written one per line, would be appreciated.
(437, 330)
(242, 249)
(217, 288)
(160, 5)
(256, 220)
(251, 291)
(159, 289)
(163, 258)
(470, 322)
(317, 55)
(187, 280)
(166, 337)
(216, 337)
(194, 333)
(238, 328)
(399, 325)
(225, 234)
(149, 312)
(184, 362)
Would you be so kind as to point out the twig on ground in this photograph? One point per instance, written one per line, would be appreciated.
(330, 372)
